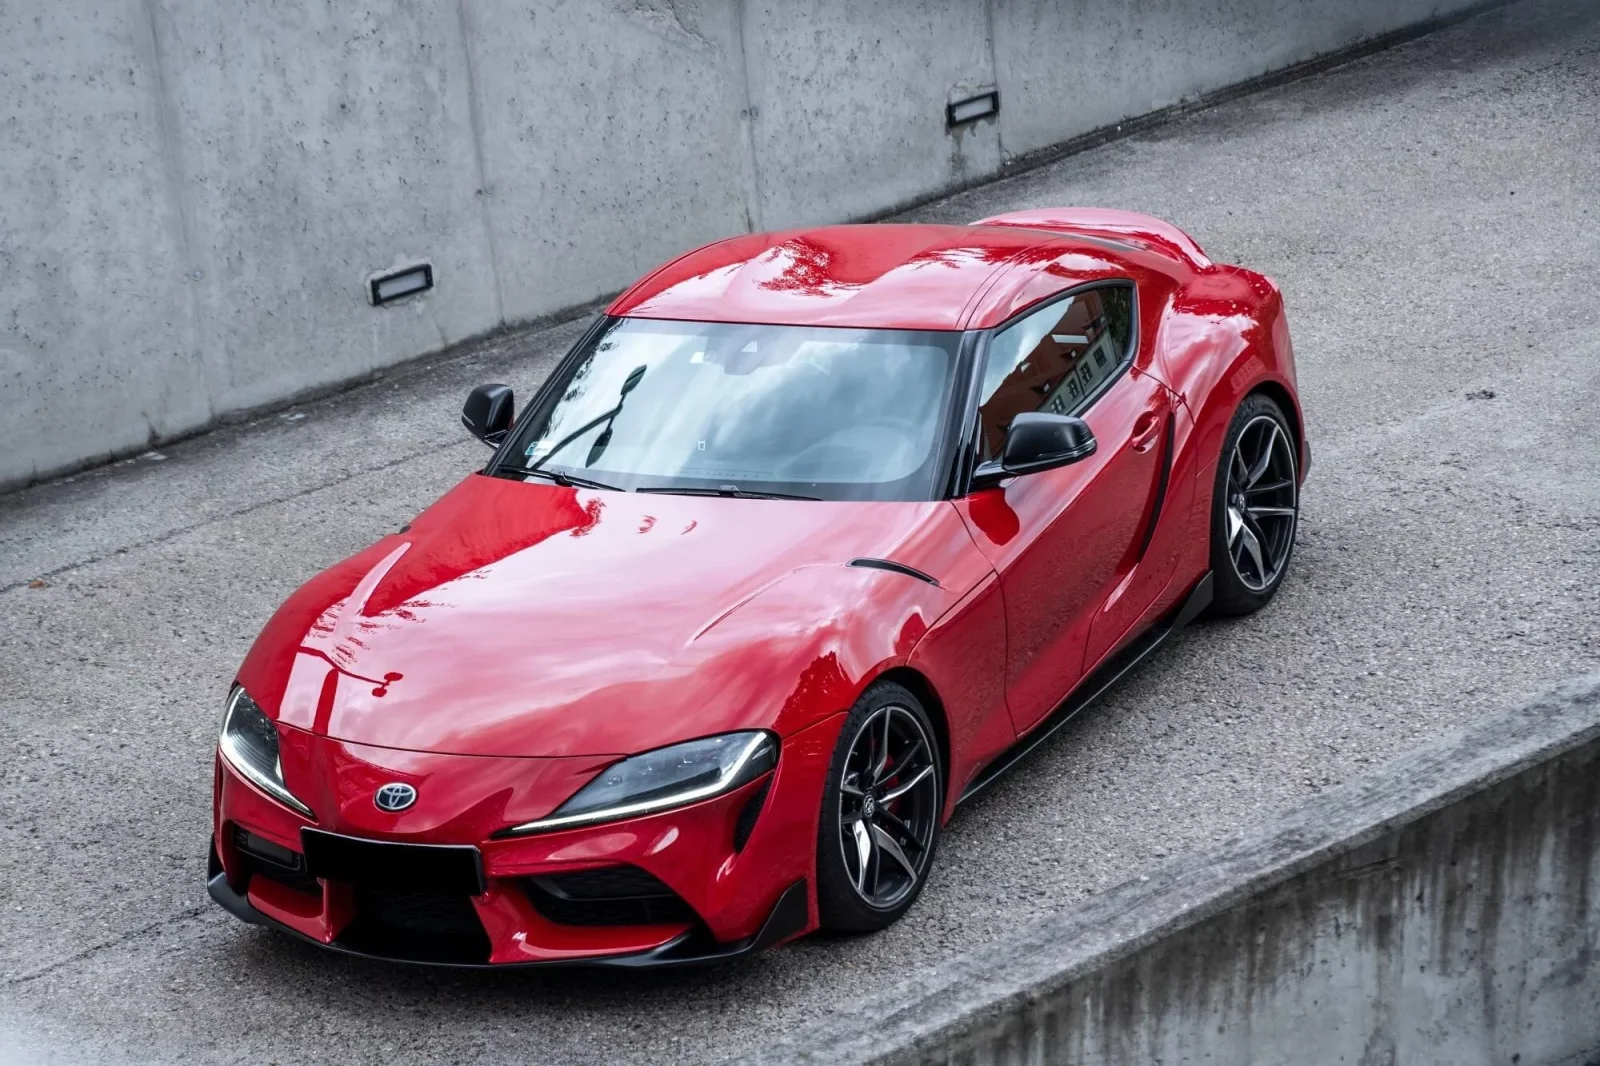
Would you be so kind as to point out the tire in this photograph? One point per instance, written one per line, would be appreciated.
(1255, 508)
(907, 800)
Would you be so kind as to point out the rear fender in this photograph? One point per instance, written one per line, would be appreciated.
(1227, 336)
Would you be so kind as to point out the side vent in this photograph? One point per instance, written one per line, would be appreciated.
(747, 817)
(895, 568)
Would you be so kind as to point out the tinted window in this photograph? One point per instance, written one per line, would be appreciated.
(831, 413)
(1057, 359)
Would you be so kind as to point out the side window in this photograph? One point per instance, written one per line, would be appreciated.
(1057, 359)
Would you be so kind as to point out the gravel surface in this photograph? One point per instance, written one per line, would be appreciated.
(1432, 215)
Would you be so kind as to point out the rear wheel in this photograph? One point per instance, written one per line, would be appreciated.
(1255, 508)
(880, 813)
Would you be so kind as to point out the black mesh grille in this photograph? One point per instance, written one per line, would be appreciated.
(610, 895)
(422, 926)
(419, 912)
(607, 882)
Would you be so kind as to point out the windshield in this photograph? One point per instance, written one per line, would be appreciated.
(834, 414)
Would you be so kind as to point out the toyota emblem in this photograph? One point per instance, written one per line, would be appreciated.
(395, 796)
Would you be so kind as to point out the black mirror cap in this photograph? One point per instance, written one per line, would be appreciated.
(1038, 441)
(488, 413)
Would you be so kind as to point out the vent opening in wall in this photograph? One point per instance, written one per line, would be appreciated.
(383, 288)
(983, 105)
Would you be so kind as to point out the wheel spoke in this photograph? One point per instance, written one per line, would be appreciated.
(863, 853)
(1252, 547)
(849, 788)
(1235, 524)
(1270, 512)
(895, 820)
(1265, 543)
(1264, 460)
(886, 845)
(883, 749)
(1271, 486)
(906, 786)
(905, 757)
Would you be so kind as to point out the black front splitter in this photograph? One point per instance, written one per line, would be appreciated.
(693, 947)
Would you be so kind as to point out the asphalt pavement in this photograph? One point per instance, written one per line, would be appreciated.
(1432, 213)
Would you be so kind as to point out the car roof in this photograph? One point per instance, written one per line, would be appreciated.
(880, 276)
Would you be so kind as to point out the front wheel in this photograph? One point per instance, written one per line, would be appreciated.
(1255, 508)
(880, 813)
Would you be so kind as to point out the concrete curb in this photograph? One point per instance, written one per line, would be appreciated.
(920, 1018)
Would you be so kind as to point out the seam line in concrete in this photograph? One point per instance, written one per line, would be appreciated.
(485, 190)
(215, 519)
(182, 210)
(753, 201)
(994, 79)
(78, 956)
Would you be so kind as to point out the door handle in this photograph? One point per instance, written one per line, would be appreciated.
(1145, 431)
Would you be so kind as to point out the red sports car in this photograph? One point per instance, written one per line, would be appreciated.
(810, 536)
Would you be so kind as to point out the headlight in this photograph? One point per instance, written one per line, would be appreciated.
(667, 777)
(249, 742)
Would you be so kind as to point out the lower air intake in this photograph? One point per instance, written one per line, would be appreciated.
(610, 895)
(263, 858)
(416, 926)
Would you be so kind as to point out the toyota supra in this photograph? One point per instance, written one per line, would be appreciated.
(809, 537)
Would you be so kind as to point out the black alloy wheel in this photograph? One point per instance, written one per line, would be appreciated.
(880, 812)
(1257, 508)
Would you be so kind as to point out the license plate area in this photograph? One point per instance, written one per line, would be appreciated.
(452, 869)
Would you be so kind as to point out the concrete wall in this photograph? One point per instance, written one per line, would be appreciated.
(1445, 910)
(192, 192)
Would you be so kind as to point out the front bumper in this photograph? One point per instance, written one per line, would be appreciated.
(712, 881)
(789, 918)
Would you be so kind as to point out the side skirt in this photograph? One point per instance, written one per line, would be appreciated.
(1093, 686)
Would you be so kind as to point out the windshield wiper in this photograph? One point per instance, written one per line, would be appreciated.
(727, 490)
(564, 480)
(608, 418)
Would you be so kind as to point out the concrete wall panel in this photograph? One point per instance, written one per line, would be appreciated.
(320, 142)
(850, 104)
(1069, 67)
(613, 140)
(97, 348)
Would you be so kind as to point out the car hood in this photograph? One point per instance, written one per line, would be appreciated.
(528, 619)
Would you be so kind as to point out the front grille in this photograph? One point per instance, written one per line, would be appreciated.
(263, 858)
(609, 895)
(419, 926)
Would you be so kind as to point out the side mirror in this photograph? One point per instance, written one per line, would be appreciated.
(1037, 441)
(488, 413)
